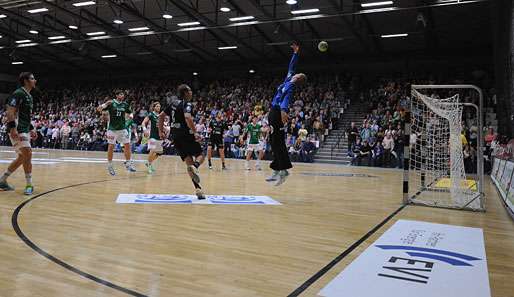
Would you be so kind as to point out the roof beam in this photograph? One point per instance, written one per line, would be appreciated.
(97, 43)
(43, 25)
(164, 56)
(46, 53)
(374, 37)
(259, 30)
(352, 28)
(183, 42)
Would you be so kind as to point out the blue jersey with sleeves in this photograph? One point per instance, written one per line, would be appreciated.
(285, 91)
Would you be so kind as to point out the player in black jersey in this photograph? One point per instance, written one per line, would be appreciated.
(217, 127)
(183, 132)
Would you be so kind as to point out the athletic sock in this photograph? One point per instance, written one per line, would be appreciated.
(28, 178)
(109, 163)
(210, 163)
(197, 185)
(5, 176)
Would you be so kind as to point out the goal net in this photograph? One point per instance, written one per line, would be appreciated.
(436, 173)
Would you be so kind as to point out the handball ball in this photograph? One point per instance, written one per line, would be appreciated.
(323, 46)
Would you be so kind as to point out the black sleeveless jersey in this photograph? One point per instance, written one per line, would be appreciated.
(176, 110)
(218, 127)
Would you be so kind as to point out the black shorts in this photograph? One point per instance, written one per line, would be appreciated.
(216, 142)
(187, 146)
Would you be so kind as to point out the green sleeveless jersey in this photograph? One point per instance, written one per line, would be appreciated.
(117, 111)
(154, 130)
(23, 102)
(254, 132)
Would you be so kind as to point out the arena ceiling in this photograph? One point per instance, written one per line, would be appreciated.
(82, 35)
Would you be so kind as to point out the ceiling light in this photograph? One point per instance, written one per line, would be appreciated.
(60, 41)
(144, 53)
(251, 70)
(395, 35)
(188, 24)
(17, 63)
(95, 33)
(27, 44)
(303, 11)
(73, 27)
(138, 29)
(2, 16)
(23, 41)
(373, 4)
(243, 18)
(192, 29)
(308, 17)
(85, 3)
(227, 47)
(56, 37)
(99, 37)
(109, 56)
(244, 24)
(142, 33)
(167, 16)
(225, 9)
(37, 10)
(291, 2)
(119, 22)
(33, 32)
(1, 36)
(195, 73)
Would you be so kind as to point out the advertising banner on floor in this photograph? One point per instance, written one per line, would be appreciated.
(419, 259)
(506, 176)
(191, 199)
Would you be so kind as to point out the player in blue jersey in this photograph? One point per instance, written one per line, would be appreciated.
(278, 118)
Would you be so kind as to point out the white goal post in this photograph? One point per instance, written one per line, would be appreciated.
(434, 171)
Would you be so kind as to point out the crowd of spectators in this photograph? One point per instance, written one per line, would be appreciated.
(65, 118)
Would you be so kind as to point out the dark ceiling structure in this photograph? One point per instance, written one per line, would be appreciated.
(82, 35)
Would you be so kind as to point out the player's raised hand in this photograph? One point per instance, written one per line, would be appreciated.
(295, 47)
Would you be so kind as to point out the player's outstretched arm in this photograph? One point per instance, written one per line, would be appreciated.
(145, 126)
(104, 106)
(294, 59)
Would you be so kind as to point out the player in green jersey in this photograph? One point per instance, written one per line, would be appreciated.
(118, 110)
(151, 131)
(21, 131)
(253, 132)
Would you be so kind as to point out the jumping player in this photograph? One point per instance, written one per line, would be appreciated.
(253, 131)
(278, 118)
(216, 128)
(118, 111)
(154, 141)
(21, 131)
(183, 131)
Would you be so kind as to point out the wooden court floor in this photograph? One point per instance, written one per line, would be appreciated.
(74, 240)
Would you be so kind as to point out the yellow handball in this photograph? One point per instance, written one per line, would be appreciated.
(323, 46)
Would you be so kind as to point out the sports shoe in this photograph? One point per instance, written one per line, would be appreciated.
(130, 166)
(223, 167)
(283, 174)
(273, 177)
(4, 186)
(210, 166)
(199, 194)
(111, 170)
(192, 170)
(29, 189)
(151, 169)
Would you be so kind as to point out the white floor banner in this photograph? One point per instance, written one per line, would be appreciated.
(417, 259)
(191, 199)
